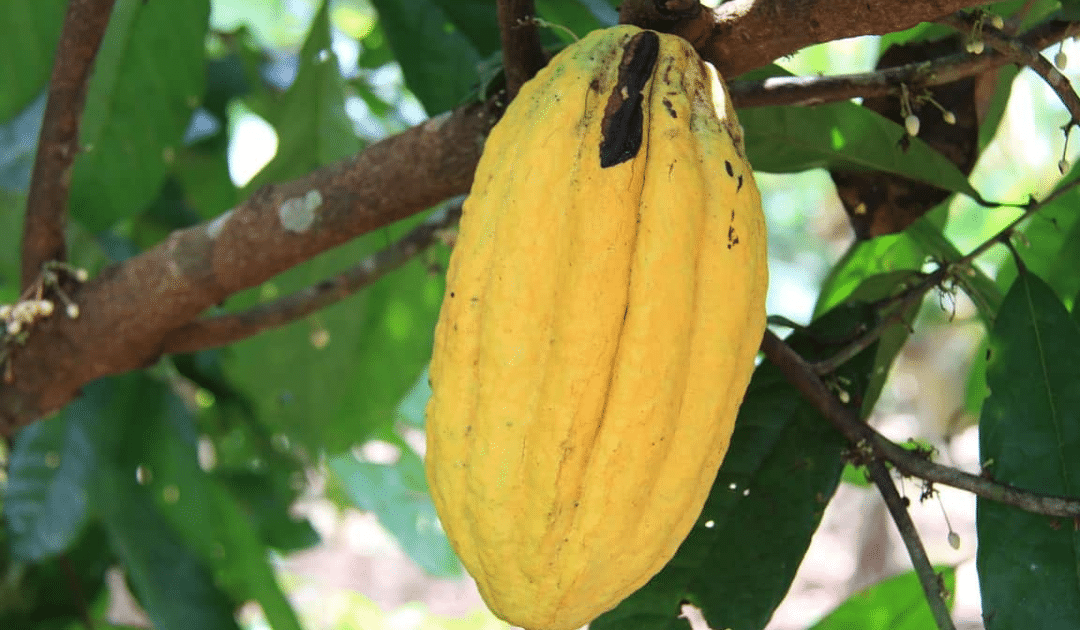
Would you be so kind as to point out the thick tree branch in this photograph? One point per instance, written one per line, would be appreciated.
(220, 330)
(522, 54)
(742, 35)
(129, 309)
(46, 205)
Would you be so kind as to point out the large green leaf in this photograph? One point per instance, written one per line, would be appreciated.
(842, 135)
(30, 32)
(312, 126)
(174, 585)
(148, 78)
(781, 470)
(398, 494)
(1029, 565)
(51, 595)
(329, 381)
(440, 64)
(476, 20)
(45, 499)
(897, 603)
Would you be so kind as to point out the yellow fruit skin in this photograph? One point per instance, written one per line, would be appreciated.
(597, 334)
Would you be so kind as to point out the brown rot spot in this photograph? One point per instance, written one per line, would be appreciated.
(732, 237)
(739, 187)
(733, 214)
(594, 85)
(451, 294)
(622, 128)
(730, 171)
(670, 108)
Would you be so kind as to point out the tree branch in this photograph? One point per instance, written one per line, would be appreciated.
(928, 578)
(887, 82)
(220, 330)
(58, 143)
(1023, 55)
(522, 54)
(741, 35)
(129, 309)
(909, 463)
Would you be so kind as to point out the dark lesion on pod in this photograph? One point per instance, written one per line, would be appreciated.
(622, 128)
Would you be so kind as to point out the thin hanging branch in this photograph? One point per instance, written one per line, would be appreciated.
(50, 185)
(871, 444)
(928, 578)
(220, 330)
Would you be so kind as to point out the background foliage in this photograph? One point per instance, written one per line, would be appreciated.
(183, 474)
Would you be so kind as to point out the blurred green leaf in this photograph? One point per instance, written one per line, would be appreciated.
(1029, 438)
(580, 16)
(398, 495)
(881, 255)
(476, 20)
(842, 135)
(172, 583)
(147, 80)
(312, 126)
(439, 62)
(45, 498)
(782, 468)
(329, 381)
(1003, 82)
(11, 215)
(50, 595)
(30, 32)
(897, 603)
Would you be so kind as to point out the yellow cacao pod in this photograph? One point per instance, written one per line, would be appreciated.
(604, 304)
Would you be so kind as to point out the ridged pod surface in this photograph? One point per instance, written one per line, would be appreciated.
(604, 304)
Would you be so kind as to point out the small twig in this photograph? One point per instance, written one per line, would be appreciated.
(909, 463)
(919, 560)
(220, 330)
(887, 81)
(1022, 54)
(898, 307)
(50, 186)
(523, 56)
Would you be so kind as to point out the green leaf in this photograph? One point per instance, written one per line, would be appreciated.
(476, 20)
(174, 585)
(881, 255)
(1002, 90)
(439, 63)
(398, 495)
(897, 603)
(206, 516)
(45, 499)
(782, 468)
(1029, 565)
(842, 135)
(313, 128)
(30, 32)
(329, 396)
(580, 16)
(147, 80)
